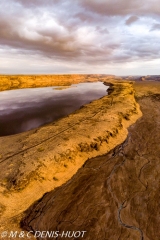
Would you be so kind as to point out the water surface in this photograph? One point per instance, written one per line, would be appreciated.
(24, 109)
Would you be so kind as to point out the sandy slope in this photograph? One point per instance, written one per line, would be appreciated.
(115, 196)
(8, 82)
(37, 161)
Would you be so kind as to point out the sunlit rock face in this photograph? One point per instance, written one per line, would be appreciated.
(119, 190)
(38, 161)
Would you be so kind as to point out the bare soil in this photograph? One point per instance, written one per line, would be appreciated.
(115, 196)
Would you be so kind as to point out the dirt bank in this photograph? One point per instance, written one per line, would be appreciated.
(115, 196)
(9, 82)
(40, 160)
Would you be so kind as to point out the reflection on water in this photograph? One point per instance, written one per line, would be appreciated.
(25, 109)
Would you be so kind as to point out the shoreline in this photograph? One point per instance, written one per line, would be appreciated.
(8, 82)
(40, 160)
(119, 190)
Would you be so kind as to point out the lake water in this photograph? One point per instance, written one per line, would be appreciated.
(25, 109)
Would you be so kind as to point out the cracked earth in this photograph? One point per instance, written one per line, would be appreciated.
(115, 196)
(46, 184)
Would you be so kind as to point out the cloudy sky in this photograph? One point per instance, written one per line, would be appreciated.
(120, 37)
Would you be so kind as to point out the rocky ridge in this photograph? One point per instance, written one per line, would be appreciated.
(40, 160)
(115, 196)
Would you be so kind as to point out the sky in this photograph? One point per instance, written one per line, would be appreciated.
(120, 37)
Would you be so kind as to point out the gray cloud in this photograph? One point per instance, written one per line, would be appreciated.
(131, 20)
(155, 26)
(86, 32)
(37, 3)
(122, 7)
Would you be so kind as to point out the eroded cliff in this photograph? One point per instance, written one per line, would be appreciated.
(40, 160)
(115, 196)
(9, 82)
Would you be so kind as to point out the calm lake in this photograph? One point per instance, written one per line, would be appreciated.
(24, 109)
